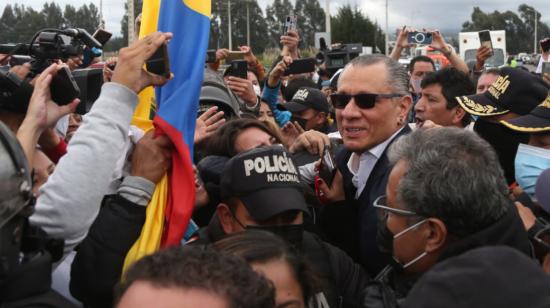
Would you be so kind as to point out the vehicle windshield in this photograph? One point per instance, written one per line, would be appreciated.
(495, 61)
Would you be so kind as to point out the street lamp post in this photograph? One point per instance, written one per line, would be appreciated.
(536, 25)
(229, 24)
(387, 31)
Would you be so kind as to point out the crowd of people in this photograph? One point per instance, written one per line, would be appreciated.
(379, 185)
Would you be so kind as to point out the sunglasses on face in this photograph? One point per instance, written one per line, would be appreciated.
(362, 100)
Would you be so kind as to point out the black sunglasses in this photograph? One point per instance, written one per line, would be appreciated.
(363, 100)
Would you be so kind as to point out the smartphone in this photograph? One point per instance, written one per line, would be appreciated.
(327, 169)
(63, 87)
(545, 44)
(239, 68)
(234, 55)
(300, 66)
(545, 68)
(420, 38)
(211, 56)
(159, 63)
(102, 36)
(291, 23)
(485, 39)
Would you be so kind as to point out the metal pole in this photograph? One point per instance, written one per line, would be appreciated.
(327, 17)
(101, 24)
(536, 25)
(131, 18)
(229, 24)
(247, 25)
(387, 31)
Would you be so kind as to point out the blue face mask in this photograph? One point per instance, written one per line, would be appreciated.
(529, 164)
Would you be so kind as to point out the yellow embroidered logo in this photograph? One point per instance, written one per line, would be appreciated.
(477, 108)
(499, 86)
(546, 103)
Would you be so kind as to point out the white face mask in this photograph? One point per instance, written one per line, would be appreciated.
(415, 83)
(257, 89)
(422, 255)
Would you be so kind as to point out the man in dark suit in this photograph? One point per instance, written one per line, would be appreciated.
(372, 103)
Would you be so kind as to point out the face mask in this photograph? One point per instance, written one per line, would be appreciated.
(529, 164)
(505, 143)
(293, 234)
(415, 83)
(385, 243)
(257, 89)
(301, 122)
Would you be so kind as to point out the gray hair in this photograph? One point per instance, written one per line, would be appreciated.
(453, 175)
(398, 78)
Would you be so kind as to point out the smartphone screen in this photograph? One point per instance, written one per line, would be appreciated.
(327, 169)
(159, 63)
(300, 66)
(485, 39)
(234, 55)
(239, 68)
(102, 36)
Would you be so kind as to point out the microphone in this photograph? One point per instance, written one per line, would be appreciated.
(82, 34)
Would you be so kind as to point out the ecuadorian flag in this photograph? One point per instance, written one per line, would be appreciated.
(173, 109)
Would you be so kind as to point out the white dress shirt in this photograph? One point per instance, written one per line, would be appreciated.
(361, 166)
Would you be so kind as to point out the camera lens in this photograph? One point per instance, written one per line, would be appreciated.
(420, 37)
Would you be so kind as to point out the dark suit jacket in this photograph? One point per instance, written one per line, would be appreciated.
(356, 220)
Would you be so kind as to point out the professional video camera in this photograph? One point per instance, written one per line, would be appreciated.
(338, 56)
(46, 47)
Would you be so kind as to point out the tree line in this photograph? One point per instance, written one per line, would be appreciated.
(520, 26)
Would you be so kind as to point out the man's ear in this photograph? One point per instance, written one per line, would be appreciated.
(436, 235)
(405, 104)
(226, 218)
(459, 114)
(321, 117)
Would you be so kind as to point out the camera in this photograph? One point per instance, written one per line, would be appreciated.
(337, 57)
(420, 38)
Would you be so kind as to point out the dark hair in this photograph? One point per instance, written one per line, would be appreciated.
(454, 175)
(453, 83)
(223, 142)
(257, 246)
(190, 267)
(420, 59)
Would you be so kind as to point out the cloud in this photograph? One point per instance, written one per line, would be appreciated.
(441, 14)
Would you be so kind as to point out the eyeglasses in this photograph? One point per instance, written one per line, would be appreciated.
(383, 209)
(543, 237)
(362, 100)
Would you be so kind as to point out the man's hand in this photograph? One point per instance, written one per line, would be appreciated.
(438, 43)
(482, 54)
(129, 70)
(312, 141)
(428, 124)
(278, 71)
(208, 123)
(107, 71)
(74, 62)
(291, 132)
(335, 192)
(244, 89)
(526, 215)
(21, 71)
(43, 112)
(221, 54)
(290, 44)
(248, 55)
(152, 157)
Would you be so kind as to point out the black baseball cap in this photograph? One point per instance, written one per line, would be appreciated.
(266, 180)
(515, 90)
(537, 121)
(306, 98)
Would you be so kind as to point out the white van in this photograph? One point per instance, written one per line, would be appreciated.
(469, 43)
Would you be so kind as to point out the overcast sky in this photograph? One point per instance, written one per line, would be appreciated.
(442, 14)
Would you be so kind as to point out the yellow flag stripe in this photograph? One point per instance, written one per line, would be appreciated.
(200, 6)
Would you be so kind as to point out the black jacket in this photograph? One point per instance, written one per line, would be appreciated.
(352, 225)
(391, 289)
(343, 279)
(30, 286)
(97, 266)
